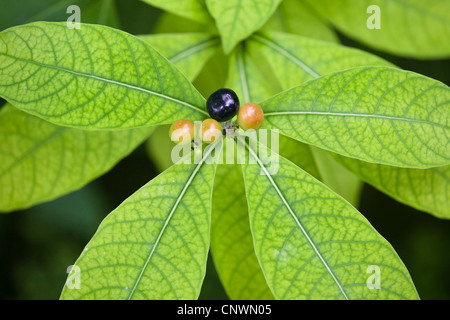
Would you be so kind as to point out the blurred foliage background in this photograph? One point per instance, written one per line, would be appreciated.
(37, 245)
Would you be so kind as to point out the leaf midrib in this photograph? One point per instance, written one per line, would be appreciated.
(233, 24)
(275, 46)
(194, 49)
(311, 242)
(122, 84)
(364, 115)
(166, 223)
(243, 74)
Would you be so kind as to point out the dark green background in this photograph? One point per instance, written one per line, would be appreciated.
(37, 245)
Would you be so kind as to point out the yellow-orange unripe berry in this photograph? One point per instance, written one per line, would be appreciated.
(182, 131)
(250, 116)
(211, 130)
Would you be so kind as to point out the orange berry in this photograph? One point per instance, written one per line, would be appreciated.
(182, 131)
(250, 116)
(211, 130)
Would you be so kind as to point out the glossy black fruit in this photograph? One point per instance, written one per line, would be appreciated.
(223, 105)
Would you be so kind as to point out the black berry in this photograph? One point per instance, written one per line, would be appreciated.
(223, 105)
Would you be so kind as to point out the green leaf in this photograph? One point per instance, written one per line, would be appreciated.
(296, 59)
(323, 167)
(352, 113)
(214, 74)
(159, 148)
(231, 239)
(94, 77)
(337, 177)
(295, 16)
(245, 78)
(424, 189)
(40, 161)
(300, 154)
(191, 9)
(188, 51)
(412, 28)
(311, 243)
(237, 19)
(155, 244)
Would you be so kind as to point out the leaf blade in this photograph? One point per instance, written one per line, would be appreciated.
(315, 251)
(40, 161)
(356, 97)
(337, 177)
(122, 89)
(410, 28)
(424, 189)
(159, 253)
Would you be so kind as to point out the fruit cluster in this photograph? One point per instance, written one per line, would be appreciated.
(222, 105)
